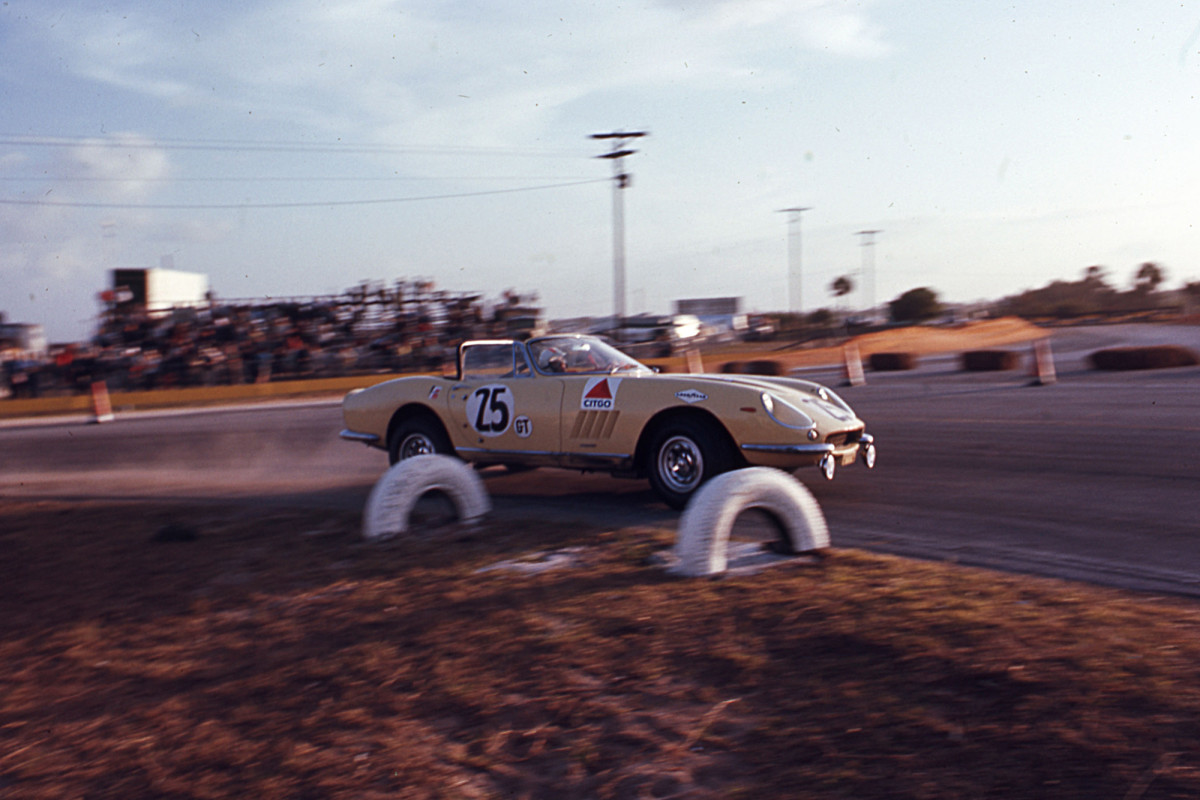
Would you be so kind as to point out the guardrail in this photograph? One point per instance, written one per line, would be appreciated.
(192, 396)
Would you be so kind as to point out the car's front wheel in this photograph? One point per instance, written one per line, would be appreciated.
(418, 436)
(682, 456)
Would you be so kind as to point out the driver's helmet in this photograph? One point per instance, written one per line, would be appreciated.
(551, 359)
(581, 356)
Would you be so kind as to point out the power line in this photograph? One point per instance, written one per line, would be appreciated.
(795, 281)
(250, 145)
(620, 181)
(310, 204)
(286, 179)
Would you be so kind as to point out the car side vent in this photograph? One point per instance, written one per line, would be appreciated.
(594, 424)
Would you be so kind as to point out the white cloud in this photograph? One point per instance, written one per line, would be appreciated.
(125, 166)
(831, 26)
(358, 66)
(835, 28)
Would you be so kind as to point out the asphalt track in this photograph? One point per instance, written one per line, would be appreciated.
(1096, 477)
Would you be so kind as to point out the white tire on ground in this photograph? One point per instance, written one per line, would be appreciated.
(396, 493)
(703, 534)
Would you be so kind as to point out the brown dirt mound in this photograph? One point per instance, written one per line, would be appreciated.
(918, 340)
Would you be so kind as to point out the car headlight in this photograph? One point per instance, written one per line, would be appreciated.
(831, 397)
(786, 414)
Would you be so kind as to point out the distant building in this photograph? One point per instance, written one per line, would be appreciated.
(720, 315)
(20, 340)
(157, 290)
(709, 306)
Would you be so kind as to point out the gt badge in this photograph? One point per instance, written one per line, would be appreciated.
(523, 426)
(691, 396)
(600, 394)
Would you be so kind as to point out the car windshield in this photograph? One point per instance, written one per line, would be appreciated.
(580, 355)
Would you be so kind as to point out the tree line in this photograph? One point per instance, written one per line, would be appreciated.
(1091, 294)
(1094, 294)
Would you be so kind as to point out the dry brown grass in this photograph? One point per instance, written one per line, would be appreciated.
(278, 656)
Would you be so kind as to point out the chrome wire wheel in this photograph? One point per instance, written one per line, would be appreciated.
(416, 444)
(682, 455)
(680, 464)
(418, 436)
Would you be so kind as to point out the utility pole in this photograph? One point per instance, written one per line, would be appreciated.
(868, 245)
(795, 281)
(620, 182)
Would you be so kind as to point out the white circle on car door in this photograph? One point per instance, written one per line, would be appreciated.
(490, 409)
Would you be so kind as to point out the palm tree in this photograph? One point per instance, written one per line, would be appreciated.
(1149, 277)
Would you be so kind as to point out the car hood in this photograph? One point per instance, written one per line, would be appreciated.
(800, 393)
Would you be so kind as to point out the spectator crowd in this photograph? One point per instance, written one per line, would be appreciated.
(369, 329)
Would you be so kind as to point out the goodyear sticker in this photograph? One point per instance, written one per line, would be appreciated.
(691, 395)
(600, 394)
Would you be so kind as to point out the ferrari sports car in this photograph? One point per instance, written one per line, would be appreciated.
(578, 402)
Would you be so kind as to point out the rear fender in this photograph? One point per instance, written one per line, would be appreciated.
(410, 410)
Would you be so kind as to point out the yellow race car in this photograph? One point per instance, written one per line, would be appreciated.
(577, 402)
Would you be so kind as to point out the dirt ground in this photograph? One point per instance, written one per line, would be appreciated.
(167, 650)
(919, 340)
(223, 650)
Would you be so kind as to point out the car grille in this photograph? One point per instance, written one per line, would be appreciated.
(843, 438)
(594, 424)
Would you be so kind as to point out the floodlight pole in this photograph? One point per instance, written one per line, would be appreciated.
(795, 284)
(620, 182)
(868, 245)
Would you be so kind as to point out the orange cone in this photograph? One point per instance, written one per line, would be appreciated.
(101, 405)
(853, 365)
(1043, 364)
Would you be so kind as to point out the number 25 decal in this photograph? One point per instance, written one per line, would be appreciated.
(489, 409)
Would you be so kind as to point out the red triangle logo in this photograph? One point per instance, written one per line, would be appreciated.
(599, 392)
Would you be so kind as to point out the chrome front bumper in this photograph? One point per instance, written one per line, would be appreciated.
(828, 455)
(817, 449)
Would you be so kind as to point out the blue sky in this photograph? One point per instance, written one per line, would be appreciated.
(301, 147)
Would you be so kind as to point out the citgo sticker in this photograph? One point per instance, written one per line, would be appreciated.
(600, 394)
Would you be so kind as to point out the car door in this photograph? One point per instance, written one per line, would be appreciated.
(592, 411)
(505, 411)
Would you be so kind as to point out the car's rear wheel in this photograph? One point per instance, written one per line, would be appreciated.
(684, 454)
(418, 436)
